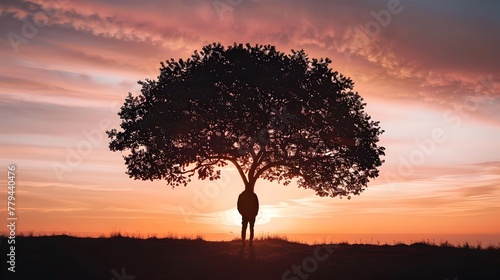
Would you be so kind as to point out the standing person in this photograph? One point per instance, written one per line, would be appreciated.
(248, 206)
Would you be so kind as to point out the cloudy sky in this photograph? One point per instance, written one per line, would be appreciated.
(429, 71)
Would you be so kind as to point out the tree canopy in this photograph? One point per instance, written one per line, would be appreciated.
(275, 116)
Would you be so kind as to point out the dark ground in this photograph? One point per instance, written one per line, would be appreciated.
(71, 258)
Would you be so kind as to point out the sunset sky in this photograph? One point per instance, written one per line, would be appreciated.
(428, 70)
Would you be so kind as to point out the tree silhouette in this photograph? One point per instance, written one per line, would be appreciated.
(273, 116)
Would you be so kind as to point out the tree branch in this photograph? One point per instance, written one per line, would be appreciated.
(238, 167)
(270, 165)
(255, 164)
(198, 166)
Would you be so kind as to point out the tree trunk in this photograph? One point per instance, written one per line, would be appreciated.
(250, 186)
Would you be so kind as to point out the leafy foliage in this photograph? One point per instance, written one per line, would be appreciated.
(274, 116)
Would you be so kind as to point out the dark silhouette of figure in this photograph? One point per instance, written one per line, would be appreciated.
(248, 206)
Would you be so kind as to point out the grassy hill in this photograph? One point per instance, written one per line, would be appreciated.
(123, 258)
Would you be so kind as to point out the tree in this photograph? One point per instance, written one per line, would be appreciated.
(273, 116)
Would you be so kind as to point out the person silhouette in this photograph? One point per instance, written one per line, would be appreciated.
(248, 206)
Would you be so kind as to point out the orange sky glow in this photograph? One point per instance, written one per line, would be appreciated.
(430, 73)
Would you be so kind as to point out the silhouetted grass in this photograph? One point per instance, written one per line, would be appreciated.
(191, 257)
